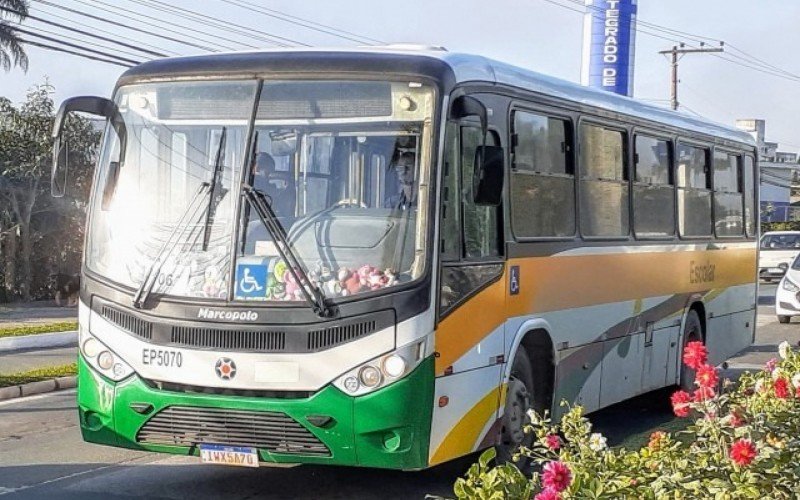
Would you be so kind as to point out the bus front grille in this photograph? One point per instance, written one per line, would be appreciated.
(230, 340)
(137, 326)
(191, 426)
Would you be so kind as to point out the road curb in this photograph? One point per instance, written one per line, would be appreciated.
(40, 387)
(39, 341)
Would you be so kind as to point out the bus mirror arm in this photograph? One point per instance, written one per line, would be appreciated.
(99, 106)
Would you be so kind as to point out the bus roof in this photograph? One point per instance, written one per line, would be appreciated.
(463, 68)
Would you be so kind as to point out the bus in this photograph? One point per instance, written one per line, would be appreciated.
(383, 257)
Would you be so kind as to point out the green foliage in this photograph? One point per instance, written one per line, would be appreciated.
(760, 415)
(38, 375)
(40, 235)
(11, 51)
(780, 226)
(18, 331)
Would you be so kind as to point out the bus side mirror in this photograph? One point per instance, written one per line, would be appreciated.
(99, 106)
(58, 177)
(487, 178)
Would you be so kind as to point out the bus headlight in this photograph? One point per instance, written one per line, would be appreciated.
(382, 370)
(102, 359)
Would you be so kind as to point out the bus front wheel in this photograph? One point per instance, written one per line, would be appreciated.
(515, 416)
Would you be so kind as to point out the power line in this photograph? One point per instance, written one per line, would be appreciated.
(126, 26)
(39, 30)
(76, 46)
(82, 32)
(227, 25)
(117, 35)
(67, 51)
(299, 21)
(171, 25)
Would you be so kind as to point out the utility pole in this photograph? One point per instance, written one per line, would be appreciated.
(677, 52)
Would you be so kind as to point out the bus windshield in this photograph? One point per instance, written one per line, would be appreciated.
(343, 165)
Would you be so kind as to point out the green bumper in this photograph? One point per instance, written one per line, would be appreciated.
(389, 428)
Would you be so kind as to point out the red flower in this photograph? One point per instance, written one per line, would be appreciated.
(547, 494)
(556, 476)
(781, 388)
(680, 403)
(703, 394)
(743, 452)
(695, 355)
(736, 420)
(706, 376)
(552, 442)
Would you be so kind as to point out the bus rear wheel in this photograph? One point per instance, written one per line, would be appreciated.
(692, 332)
(515, 416)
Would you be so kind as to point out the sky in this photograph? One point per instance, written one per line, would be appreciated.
(536, 34)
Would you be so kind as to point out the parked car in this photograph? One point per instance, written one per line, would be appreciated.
(787, 296)
(778, 251)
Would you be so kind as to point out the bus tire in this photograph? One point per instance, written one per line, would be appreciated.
(515, 416)
(784, 319)
(692, 332)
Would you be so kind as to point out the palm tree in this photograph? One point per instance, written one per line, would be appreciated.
(11, 51)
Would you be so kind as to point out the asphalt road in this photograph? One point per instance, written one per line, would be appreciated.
(42, 455)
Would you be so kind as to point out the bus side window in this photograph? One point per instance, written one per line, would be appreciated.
(604, 183)
(694, 193)
(470, 242)
(728, 202)
(750, 212)
(653, 190)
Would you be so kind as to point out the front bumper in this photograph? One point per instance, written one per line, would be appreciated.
(786, 303)
(771, 272)
(389, 428)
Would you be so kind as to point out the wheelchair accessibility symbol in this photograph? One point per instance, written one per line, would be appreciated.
(251, 280)
(513, 280)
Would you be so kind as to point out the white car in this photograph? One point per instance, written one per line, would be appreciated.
(787, 297)
(778, 250)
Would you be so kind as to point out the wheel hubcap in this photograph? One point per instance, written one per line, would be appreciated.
(516, 416)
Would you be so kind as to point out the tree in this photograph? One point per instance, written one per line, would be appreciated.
(39, 233)
(11, 51)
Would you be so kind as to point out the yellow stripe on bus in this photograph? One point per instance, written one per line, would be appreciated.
(463, 437)
(563, 282)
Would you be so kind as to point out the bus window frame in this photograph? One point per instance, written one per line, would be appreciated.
(626, 172)
(671, 141)
(549, 112)
(708, 147)
(739, 180)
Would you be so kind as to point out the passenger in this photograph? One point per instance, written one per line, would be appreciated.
(276, 185)
(406, 197)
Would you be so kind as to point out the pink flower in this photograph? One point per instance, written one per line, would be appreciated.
(556, 476)
(706, 376)
(695, 355)
(547, 494)
(552, 442)
(680, 403)
(743, 452)
(781, 387)
(703, 394)
(736, 420)
(771, 365)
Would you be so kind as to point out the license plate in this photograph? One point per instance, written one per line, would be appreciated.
(775, 270)
(228, 455)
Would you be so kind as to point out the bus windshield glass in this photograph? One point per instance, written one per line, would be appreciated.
(343, 165)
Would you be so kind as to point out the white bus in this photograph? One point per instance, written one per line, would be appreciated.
(382, 257)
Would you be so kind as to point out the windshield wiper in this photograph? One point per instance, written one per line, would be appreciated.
(213, 197)
(310, 290)
(140, 297)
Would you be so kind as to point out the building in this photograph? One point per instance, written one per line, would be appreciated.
(780, 172)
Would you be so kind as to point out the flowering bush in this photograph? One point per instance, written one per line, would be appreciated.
(744, 443)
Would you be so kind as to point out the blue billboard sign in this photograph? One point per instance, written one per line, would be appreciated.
(609, 35)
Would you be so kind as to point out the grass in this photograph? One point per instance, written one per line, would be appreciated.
(640, 439)
(38, 374)
(18, 331)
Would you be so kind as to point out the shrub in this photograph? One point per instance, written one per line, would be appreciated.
(744, 442)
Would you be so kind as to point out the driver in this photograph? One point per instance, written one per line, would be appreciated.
(406, 197)
(276, 185)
